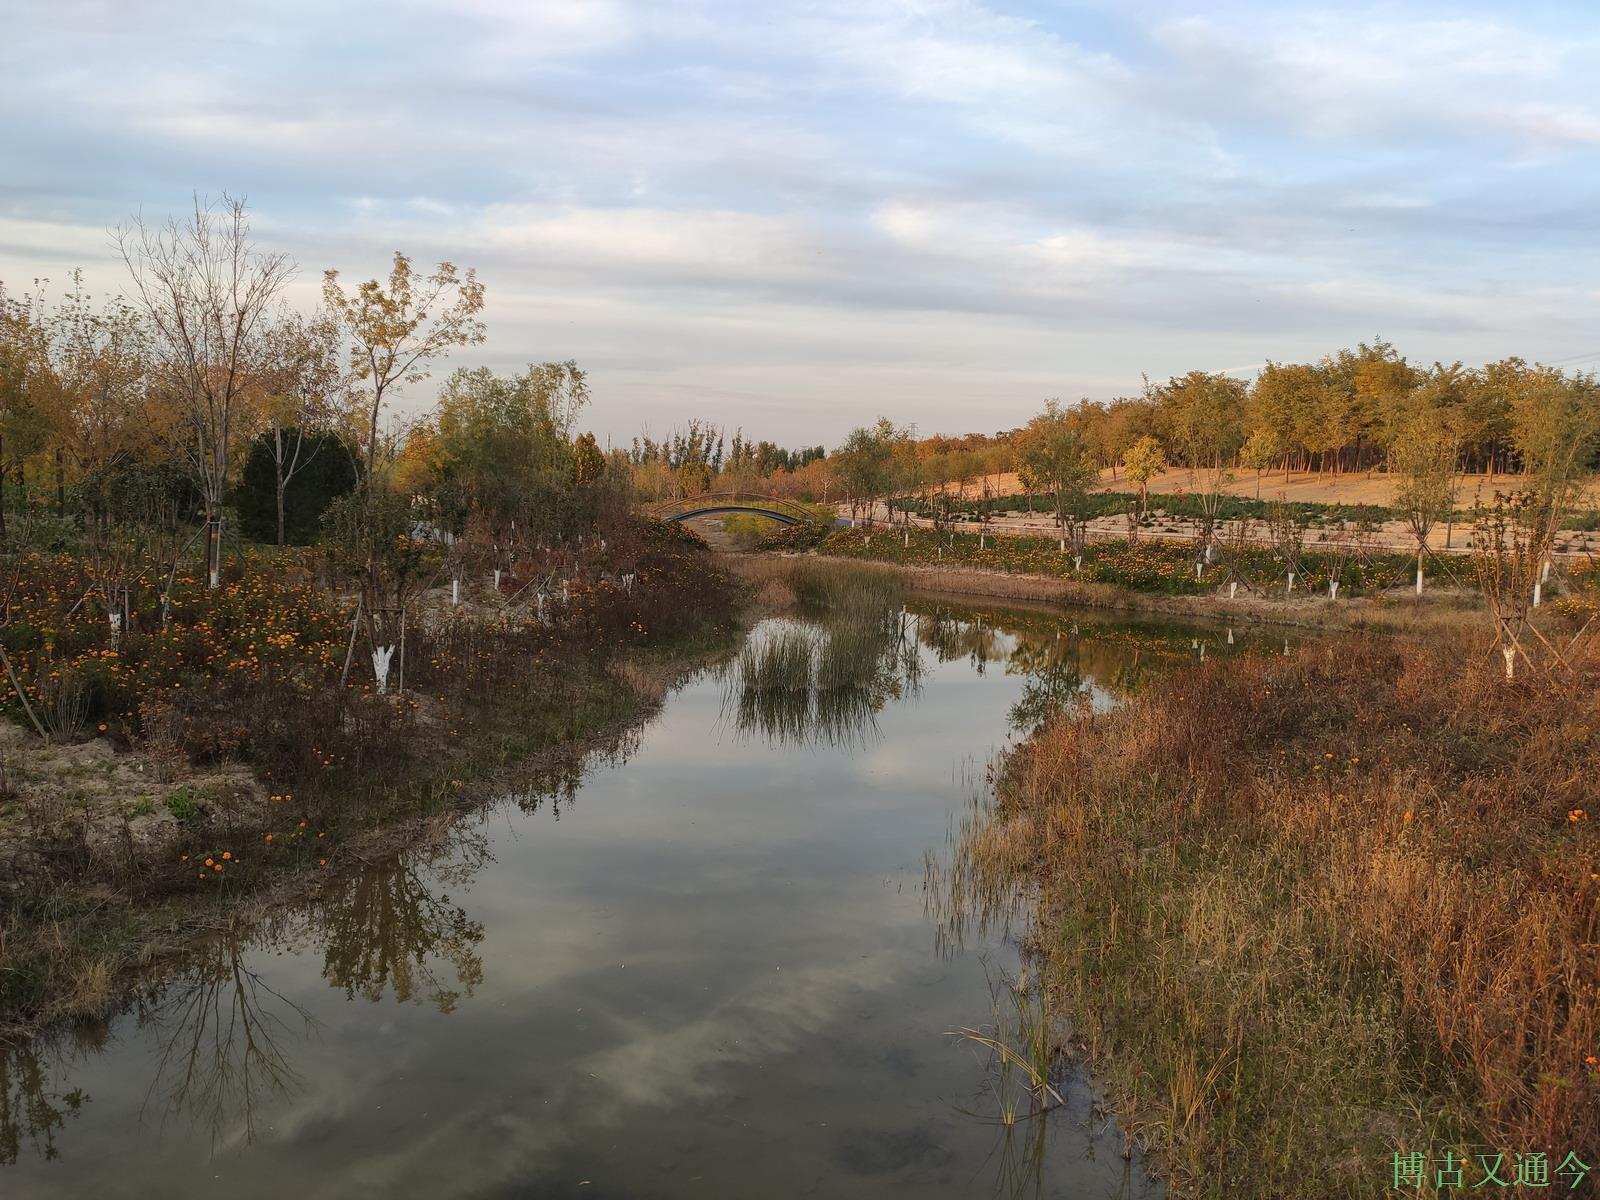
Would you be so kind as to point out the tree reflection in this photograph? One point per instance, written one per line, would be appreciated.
(384, 929)
(953, 637)
(1053, 678)
(32, 1109)
(223, 1036)
(227, 1036)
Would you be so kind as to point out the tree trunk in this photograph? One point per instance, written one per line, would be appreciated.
(277, 466)
(213, 546)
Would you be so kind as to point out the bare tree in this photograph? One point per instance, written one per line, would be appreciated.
(1350, 542)
(1287, 531)
(206, 291)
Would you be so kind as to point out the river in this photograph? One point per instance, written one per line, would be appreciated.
(707, 968)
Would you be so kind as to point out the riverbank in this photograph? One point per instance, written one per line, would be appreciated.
(1308, 913)
(1443, 611)
(233, 794)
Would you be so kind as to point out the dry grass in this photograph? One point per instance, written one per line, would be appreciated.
(1308, 911)
(1443, 611)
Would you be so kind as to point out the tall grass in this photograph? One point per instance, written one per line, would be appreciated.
(844, 589)
(1310, 911)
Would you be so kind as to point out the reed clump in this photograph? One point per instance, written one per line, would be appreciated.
(1310, 911)
(846, 589)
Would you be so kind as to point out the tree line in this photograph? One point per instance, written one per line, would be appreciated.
(157, 416)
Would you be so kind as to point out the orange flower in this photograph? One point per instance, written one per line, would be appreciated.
(227, 854)
(1576, 815)
(210, 862)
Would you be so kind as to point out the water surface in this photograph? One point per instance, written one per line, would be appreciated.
(705, 969)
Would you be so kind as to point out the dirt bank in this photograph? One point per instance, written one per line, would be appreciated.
(1440, 611)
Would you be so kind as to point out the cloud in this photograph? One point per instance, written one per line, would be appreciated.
(1364, 74)
(940, 209)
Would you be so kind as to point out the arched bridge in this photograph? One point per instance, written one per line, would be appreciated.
(715, 504)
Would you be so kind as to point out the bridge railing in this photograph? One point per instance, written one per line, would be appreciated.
(685, 506)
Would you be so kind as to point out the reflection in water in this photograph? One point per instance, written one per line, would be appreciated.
(32, 1106)
(226, 1037)
(1022, 1080)
(383, 930)
(822, 683)
(718, 882)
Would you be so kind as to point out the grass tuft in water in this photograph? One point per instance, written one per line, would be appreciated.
(841, 589)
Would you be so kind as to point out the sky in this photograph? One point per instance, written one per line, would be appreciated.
(794, 218)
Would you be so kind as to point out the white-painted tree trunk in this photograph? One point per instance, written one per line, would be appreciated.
(455, 591)
(1077, 562)
(1290, 588)
(380, 666)
(1333, 589)
(1544, 572)
(1419, 579)
(1538, 594)
(1233, 590)
(1509, 653)
(908, 539)
(1198, 568)
(1230, 635)
(116, 628)
(1063, 545)
(497, 579)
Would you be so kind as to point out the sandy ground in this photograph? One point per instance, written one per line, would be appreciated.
(1310, 486)
(1446, 538)
(1389, 536)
